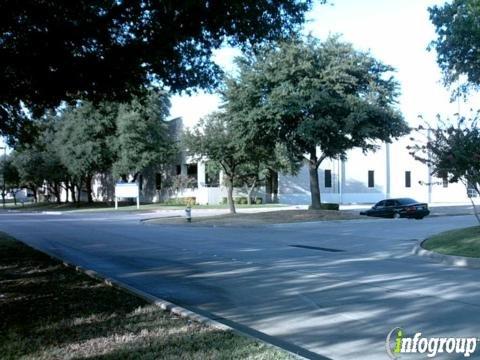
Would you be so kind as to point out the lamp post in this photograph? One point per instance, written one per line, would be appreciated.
(4, 148)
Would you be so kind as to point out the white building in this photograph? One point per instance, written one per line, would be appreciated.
(389, 172)
(363, 178)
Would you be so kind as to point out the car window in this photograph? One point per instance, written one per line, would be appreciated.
(390, 203)
(406, 201)
(380, 203)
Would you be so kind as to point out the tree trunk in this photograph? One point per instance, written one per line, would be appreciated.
(314, 185)
(268, 187)
(14, 194)
(35, 194)
(67, 186)
(275, 186)
(56, 187)
(79, 191)
(231, 204)
(250, 192)
(88, 185)
(72, 190)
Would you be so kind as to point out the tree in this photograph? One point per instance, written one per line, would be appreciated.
(458, 40)
(306, 95)
(55, 51)
(452, 151)
(141, 135)
(11, 179)
(29, 164)
(213, 138)
(84, 141)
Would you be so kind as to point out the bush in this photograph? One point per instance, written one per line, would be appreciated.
(330, 206)
(182, 201)
(258, 201)
(242, 200)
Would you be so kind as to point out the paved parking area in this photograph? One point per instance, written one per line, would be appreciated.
(333, 288)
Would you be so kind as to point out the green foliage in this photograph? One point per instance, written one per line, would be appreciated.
(330, 206)
(84, 138)
(307, 93)
(458, 40)
(87, 139)
(141, 134)
(451, 150)
(109, 50)
(213, 139)
(304, 94)
(181, 201)
(29, 164)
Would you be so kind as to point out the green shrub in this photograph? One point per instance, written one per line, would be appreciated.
(241, 200)
(258, 201)
(182, 201)
(330, 206)
(237, 200)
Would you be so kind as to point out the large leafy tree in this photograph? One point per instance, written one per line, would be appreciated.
(309, 95)
(84, 141)
(141, 135)
(458, 40)
(56, 50)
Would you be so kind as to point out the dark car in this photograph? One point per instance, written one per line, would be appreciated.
(398, 208)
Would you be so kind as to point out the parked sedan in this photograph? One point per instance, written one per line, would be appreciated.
(398, 208)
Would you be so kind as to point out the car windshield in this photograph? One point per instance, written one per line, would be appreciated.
(406, 201)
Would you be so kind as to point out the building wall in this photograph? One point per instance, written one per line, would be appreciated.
(350, 179)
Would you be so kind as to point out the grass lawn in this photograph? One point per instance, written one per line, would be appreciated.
(103, 206)
(268, 217)
(462, 242)
(49, 311)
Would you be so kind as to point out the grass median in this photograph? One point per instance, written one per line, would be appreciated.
(49, 311)
(460, 242)
(262, 218)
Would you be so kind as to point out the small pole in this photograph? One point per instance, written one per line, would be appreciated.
(138, 202)
(188, 214)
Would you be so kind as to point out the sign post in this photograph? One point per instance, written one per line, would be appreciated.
(127, 190)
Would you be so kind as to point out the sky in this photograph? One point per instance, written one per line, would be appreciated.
(395, 32)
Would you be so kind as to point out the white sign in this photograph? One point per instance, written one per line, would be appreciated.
(126, 190)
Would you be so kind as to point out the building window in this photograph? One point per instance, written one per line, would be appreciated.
(158, 181)
(471, 191)
(371, 178)
(408, 179)
(445, 181)
(328, 178)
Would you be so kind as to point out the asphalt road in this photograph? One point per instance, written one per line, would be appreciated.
(338, 297)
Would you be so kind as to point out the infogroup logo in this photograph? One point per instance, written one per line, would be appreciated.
(397, 343)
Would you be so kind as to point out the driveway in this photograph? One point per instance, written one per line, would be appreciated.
(332, 288)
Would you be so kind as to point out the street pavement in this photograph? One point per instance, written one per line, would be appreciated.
(332, 288)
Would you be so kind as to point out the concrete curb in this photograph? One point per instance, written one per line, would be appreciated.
(452, 260)
(205, 318)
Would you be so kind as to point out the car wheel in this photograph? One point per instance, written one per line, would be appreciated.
(396, 216)
(418, 217)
